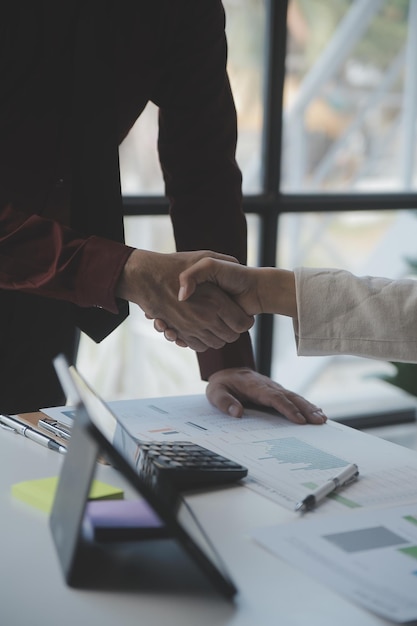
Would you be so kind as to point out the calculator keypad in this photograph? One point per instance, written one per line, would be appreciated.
(186, 465)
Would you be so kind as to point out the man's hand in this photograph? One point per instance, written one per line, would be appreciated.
(229, 389)
(151, 280)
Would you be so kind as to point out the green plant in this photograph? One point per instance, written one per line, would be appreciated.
(405, 377)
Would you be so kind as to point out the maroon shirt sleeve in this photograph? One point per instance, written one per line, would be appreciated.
(41, 256)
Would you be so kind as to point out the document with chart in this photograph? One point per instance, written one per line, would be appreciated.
(370, 556)
(285, 460)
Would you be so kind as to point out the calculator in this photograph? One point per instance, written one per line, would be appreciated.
(185, 465)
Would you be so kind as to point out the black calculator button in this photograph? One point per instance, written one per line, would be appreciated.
(182, 465)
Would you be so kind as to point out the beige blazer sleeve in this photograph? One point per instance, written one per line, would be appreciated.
(339, 313)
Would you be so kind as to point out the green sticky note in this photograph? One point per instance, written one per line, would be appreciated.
(40, 493)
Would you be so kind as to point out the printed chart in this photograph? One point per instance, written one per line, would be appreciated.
(371, 556)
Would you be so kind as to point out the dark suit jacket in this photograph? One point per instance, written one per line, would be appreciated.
(58, 86)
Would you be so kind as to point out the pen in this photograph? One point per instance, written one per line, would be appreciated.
(55, 427)
(344, 478)
(31, 433)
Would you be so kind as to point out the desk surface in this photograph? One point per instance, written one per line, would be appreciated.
(33, 592)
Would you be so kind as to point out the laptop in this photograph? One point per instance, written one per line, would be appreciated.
(177, 556)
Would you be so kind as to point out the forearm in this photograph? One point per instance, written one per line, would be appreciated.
(197, 151)
(197, 138)
(132, 284)
(42, 256)
(236, 354)
(277, 291)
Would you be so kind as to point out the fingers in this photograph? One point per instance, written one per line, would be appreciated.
(219, 270)
(229, 389)
(222, 399)
(295, 408)
(209, 320)
(234, 322)
(215, 310)
(210, 340)
(200, 272)
(160, 326)
(170, 334)
(218, 255)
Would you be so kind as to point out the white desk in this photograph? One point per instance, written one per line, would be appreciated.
(33, 593)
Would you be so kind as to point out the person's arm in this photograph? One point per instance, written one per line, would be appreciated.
(334, 311)
(197, 142)
(43, 257)
(255, 289)
(368, 316)
(38, 253)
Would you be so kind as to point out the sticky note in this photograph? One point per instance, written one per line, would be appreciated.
(122, 520)
(40, 493)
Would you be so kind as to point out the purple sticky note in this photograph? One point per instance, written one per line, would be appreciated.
(122, 520)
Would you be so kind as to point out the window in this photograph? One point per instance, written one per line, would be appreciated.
(326, 101)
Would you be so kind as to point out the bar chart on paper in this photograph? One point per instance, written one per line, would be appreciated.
(285, 461)
(371, 557)
(299, 454)
(286, 469)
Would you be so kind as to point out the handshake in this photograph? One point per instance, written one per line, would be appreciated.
(204, 299)
(254, 289)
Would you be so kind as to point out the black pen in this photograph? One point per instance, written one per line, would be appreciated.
(348, 475)
(23, 429)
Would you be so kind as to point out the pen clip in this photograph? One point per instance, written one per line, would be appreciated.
(6, 427)
(348, 481)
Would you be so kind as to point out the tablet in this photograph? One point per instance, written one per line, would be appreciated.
(98, 432)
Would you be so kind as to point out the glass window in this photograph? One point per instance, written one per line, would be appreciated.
(350, 96)
(379, 243)
(245, 29)
(140, 172)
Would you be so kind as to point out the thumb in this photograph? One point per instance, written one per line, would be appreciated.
(198, 273)
(222, 399)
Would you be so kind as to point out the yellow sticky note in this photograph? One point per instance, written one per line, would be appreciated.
(40, 493)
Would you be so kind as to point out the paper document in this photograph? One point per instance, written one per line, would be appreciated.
(368, 556)
(285, 460)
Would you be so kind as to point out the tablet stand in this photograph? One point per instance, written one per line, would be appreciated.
(147, 564)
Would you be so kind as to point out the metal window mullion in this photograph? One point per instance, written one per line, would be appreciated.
(275, 54)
